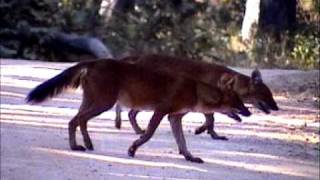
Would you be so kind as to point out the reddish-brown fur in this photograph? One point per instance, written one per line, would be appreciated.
(106, 82)
(250, 89)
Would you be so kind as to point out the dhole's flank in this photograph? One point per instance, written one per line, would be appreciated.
(250, 89)
(105, 83)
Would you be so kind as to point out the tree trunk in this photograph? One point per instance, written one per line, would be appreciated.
(250, 20)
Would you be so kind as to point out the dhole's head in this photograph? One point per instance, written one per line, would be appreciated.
(232, 102)
(253, 91)
(260, 95)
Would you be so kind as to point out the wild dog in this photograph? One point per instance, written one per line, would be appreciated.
(250, 89)
(105, 83)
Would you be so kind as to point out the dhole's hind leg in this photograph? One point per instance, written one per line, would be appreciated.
(118, 117)
(133, 121)
(73, 124)
(85, 134)
(176, 127)
(87, 111)
(152, 126)
(81, 119)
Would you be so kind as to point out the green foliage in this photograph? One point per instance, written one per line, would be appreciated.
(198, 29)
(24, 24)
(306, 42)
(153, 27)
(306, 51)
(298, 49)
(158, 27)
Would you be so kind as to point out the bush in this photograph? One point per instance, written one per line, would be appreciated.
(197, 29)
(305, 53)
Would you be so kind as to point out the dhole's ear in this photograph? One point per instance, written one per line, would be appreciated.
(229, 84)
(226, 82)
(256, 76)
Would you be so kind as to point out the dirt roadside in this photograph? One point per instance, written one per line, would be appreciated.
(34, 140)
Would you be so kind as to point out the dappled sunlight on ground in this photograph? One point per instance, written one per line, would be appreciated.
(126, 161)
(252, 126)
(262, 168)
(34, 139)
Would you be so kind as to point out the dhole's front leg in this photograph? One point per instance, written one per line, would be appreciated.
(132, 119)
(176, 127)
(209, 126)
(152, 126)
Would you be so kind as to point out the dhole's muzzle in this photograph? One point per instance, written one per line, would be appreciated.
(266, 107)
(242, 110)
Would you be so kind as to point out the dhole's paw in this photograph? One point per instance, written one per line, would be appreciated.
(90, 147)
(78, 148)
(223, 138)
(215, 136)
(194, 159)
(200, 130)
(131, 151)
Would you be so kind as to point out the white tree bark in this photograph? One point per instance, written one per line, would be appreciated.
(107, 8)
(251, 17)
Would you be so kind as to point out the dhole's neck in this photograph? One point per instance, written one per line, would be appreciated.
(242, 86)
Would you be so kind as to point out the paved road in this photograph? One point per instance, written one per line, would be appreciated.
(34, 140)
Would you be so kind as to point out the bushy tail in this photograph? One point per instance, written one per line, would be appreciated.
(70, 78)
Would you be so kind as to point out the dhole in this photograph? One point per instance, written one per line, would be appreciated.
(106, 82)
(250, 89)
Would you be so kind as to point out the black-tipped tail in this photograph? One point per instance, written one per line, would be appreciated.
(69, 78)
